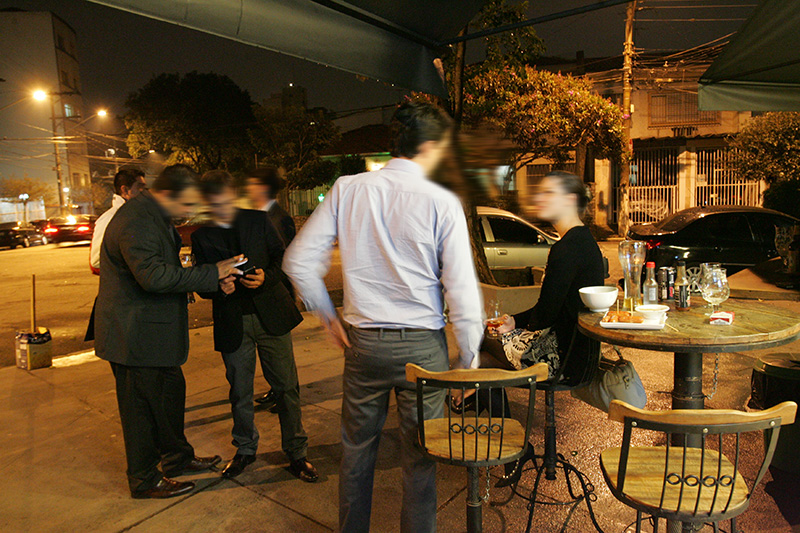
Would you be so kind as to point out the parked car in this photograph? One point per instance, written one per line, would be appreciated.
(510, 241)
(25, 236)
(72, 228)
(737, 237)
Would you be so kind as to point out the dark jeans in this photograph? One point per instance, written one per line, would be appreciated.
(152, 402)
(374, 366)
(277, 363)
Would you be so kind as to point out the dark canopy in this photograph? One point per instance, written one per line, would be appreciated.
(388, 40)
(760, 69)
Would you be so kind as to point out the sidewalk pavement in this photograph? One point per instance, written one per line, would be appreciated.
(62, 462)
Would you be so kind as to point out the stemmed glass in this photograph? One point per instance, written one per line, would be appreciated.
(715, 289)
(705, 271)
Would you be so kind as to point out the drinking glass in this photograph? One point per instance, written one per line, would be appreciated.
(493, 318)
(705, 272)
(187, 260)
(715, 289)
(631, 258)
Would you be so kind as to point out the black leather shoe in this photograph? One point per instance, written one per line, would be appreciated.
(514, 469)
(165, 488)
(198, 464)
(237, 465)
(304, 470)
(269, 402)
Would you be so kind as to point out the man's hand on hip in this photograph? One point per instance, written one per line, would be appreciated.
(337, 332)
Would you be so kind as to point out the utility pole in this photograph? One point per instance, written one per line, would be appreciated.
(623, 220)
(61, 203)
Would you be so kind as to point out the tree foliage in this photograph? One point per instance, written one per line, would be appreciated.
(514, 49)
(12, 188)
(200, 119)
(768, 148)
(544, 114)
(293, 138)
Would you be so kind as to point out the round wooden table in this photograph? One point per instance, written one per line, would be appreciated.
(689, 335)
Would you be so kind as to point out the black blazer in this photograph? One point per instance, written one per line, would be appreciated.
(283, 222)
(141, 318)
(263, 247)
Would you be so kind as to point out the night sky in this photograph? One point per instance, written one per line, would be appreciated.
(119, 52)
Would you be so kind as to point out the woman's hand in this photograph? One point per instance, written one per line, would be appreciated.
(506, 324)
(459, 396)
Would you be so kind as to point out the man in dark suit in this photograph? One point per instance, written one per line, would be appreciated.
(142, 329)
(253, 315)
(263, 186)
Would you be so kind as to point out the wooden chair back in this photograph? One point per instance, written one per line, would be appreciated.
(705, 479)
(468, 438)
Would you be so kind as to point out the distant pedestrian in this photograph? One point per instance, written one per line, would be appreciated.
(263, 186)
(142, 328)
(405, 250)
(253, 316)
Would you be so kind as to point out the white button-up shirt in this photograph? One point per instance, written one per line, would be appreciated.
(405, 249)
(100, 226)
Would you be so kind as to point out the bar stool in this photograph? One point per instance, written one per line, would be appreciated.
(684, 483)
(475, 441)
(576, 369)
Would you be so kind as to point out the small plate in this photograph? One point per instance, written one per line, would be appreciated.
(647, 324)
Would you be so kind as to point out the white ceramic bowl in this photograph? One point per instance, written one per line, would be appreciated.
(599, 298)
(652, 311)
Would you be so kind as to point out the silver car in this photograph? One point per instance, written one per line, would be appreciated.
(510, 241)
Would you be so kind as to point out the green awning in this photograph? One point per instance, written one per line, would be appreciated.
(759, 70)
(387, 40)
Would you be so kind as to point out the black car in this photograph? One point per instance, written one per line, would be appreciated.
(72, 228)
(737, 237)
(25, 236)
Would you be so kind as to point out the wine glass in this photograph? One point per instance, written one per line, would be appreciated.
(715, 289)
(705, 272)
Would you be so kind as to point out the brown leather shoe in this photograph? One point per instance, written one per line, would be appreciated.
(304, 470)
(165, 488)
(198, 464)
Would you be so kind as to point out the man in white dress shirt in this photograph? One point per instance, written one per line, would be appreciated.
(128, 182)
(405, 250)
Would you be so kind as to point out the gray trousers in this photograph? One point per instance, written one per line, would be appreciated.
(277, 363)
(374, 366)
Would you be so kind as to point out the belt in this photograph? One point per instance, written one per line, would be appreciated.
(395, 330)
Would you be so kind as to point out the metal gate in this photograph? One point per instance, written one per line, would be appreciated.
(653, 191)
(717, 184)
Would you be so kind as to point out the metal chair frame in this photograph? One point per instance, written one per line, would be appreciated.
(462, 427)
(710, 479)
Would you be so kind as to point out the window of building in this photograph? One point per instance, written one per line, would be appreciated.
(678, 109)
(70, 111)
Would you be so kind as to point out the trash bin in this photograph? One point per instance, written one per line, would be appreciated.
(776, 379)
(35, 349)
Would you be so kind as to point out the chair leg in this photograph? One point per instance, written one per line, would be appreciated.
(474, 511)
(716, 527)
(655, 524)
(638, 522)
(734, 529)
(550, 435)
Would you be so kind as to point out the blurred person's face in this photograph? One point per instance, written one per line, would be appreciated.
(431, 153)
(138, 186)
(257, 192)
(222, 206)
(183, 205)
(552, 204)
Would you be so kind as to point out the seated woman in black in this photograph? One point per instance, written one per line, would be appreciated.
(544, 332)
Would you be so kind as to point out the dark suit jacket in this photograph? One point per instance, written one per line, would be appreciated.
(283, 222)
(141, 317)
(260, 243)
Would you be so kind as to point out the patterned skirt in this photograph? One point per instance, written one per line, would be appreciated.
(526, 348)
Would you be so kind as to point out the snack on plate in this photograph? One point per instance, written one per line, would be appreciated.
(721, 318)
(623, 316)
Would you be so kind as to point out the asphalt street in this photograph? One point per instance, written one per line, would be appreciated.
(65, 292)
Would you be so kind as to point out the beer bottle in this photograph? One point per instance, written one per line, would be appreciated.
(682, 298)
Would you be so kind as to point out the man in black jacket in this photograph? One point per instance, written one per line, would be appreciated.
(263, 186)
(142, 329)
(254, 314)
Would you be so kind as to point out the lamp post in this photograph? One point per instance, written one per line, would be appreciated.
(24, 197)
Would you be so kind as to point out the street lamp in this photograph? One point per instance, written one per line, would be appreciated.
(24, 198)
(102, 113)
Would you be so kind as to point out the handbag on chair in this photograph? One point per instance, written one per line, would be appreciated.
(614, 380)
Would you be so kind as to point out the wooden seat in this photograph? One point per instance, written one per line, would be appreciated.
(695, 477)
(502, 438)
(645, 478)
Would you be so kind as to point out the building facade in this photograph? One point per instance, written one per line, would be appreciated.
(39, 53)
